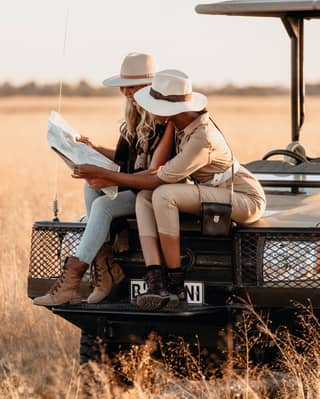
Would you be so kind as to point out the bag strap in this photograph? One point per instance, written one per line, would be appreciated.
(232, 159)
(232, 168)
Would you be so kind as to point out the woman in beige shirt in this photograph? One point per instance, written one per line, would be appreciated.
(203, 155)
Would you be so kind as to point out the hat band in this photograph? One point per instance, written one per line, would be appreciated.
(145, 76)
(173, 98)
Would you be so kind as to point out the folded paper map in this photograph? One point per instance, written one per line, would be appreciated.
(62, 139)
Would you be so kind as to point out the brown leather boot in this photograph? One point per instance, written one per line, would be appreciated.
(157, 295)
(107, 272)
(67, 288)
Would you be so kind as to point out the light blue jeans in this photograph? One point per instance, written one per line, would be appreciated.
(100, 212)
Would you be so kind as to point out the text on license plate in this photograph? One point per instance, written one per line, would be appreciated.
(194, 290)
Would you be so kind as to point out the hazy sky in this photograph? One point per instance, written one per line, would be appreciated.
(211, 49)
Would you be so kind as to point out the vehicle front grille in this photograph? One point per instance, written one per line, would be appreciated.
(278, 258)
(51, 243)
(261, 258)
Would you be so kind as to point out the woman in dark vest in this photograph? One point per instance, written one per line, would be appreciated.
(136, 151)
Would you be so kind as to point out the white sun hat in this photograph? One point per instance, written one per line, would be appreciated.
(170, 94)
(136, 69)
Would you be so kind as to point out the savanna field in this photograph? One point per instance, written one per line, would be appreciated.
(39, 351)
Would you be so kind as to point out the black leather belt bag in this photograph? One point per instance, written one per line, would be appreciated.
(215, 218)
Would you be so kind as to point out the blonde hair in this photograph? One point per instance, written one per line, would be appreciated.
(137, 123)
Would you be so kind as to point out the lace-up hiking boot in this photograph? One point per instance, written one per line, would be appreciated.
(67, 287)
(175, 284)
(106, 274)
(156, 296)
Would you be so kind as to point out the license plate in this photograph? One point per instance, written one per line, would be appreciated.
(194, 290)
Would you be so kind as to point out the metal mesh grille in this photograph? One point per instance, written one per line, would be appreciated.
(266, 259)
(50, 245)
(280, 259)
(291, 263)
(248, 259)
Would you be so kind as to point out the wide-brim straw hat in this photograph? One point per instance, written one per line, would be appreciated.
(170, 94)
(136, 69)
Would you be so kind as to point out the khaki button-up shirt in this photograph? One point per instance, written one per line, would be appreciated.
(201, 152)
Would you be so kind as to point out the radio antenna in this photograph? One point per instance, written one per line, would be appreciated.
(55, 201)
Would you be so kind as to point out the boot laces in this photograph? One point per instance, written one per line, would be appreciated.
(97, 272)
(56, 286)
(93, 273)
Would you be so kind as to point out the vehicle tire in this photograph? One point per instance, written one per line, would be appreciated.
(288, 156)
(297, 148)
(99, 365)
(90, 348)
(92, 370)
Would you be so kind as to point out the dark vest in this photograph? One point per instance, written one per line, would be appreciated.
(126, 153)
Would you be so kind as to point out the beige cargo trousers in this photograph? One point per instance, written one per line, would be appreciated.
(158, 211)
(202, 152)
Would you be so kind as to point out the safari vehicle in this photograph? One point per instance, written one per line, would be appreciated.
(274, 261)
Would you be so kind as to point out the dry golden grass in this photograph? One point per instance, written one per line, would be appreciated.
(38, 351)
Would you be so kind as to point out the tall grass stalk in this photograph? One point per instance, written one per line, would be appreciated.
(39, 351)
